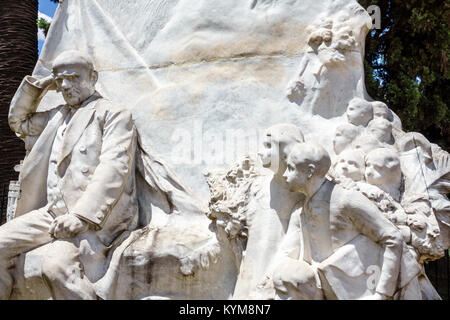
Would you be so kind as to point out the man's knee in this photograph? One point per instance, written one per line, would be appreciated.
(5, 245)
(62, 262)
(297, 280)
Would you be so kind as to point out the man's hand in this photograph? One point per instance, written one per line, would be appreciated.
(67, 226)
(378, 296)
(47, 82)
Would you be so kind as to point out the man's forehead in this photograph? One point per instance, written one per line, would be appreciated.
(70, 68)
(66, 72)
(296, 159)
(289, 162)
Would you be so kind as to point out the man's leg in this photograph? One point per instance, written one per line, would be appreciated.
(20, 235)
(64, 268)
(296, 280)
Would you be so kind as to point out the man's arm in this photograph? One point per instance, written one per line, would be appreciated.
(368, 220)
(23, 118)
(292, 244)
(111, 174)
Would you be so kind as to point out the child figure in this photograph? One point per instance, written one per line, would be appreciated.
(351, 165)
(359, 112)
(381, 129)
(383, 170)
(345, 135)
(381, 110)
(337, 223)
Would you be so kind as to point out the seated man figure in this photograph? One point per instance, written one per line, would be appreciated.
(333, 217)
(77, 183)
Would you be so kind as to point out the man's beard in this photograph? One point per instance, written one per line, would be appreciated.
(72, 97)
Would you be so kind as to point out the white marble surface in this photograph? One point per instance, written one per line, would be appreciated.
(199, 76)
(191, 70)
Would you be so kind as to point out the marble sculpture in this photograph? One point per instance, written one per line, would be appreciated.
(217, 150)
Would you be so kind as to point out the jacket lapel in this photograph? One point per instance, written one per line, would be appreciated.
(77, 126)
(33, 175)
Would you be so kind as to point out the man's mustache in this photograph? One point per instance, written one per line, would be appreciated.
(71, 92)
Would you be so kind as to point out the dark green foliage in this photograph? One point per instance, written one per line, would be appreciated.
(44, 25)
(407, 64)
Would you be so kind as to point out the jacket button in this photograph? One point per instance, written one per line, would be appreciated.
(99, 215)
(83, 149)
(104, 208)
(85, 170)
(109, 202)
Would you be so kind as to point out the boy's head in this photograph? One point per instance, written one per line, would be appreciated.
(359, 112)
(345, 134)
(75, 76)
(383, 168)
(351, 164)
(381, 110)
(306, 163)
(277, 145)
(381, 129)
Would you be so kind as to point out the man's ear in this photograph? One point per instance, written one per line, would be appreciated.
(94, 75)
(311, 170)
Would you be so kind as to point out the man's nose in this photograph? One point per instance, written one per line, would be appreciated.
(66, 84)
(434, 232)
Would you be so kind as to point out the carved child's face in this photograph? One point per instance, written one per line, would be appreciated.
(76, 83)
(382, 169)
(359, 112)
(270, 151)
(381, 129)
(316, 39)
(344, 136)
(381, 111)
(296, 175)
(327, 36)
(351, 164)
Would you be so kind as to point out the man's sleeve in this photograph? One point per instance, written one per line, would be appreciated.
(292, 244)
(23, 118)
(368, 220)
(112, 173)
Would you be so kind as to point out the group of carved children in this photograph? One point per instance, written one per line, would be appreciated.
(369, 158)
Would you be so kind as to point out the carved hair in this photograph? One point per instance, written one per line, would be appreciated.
(311, 153)
(285, 134)
(73, 57)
